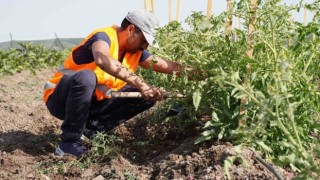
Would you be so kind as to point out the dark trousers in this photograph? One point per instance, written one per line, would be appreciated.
(74, 102)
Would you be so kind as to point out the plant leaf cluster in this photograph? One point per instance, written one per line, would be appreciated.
(280, 83)
(29, 57)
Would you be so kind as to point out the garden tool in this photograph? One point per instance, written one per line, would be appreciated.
(175, 110)
(139, 95)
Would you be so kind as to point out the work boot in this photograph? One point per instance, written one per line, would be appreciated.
(89, 133)
(74, 148)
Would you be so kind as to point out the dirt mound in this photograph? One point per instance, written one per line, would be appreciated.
(147, 150)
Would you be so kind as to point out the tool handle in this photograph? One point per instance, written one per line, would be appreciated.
(139, 95)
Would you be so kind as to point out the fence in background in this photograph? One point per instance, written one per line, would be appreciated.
(56, 43)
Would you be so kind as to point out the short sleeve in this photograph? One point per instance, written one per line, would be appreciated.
(145, 55)
(98, 36)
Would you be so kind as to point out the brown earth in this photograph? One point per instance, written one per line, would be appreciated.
(146, 149)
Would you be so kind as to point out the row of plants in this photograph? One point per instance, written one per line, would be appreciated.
(280, 83)
(29, 57)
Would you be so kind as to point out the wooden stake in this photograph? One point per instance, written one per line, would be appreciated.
(291, 22)
(228, 24)
(209, 8)
(152, 6)
(149, 5)
(178, 10)
(249, 53)
(305, 17)
(170, 10)
(236, 25)
(252, 22)
(291, 14)
(313, 35)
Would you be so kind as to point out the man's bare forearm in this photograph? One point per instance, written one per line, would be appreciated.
(100, 51)
(116, 69)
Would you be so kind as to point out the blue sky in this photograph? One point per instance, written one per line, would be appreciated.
(41, 19)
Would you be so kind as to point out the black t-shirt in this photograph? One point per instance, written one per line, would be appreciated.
(83, 54)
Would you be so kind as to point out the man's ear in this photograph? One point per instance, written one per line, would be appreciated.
(131, 29)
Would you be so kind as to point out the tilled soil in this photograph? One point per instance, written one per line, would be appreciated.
(147, 150)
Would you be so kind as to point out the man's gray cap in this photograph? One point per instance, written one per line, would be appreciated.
(146, 22)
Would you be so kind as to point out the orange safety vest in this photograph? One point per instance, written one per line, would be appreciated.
(106, 82)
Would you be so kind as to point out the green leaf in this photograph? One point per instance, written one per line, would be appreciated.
(202, 139)
(214, 116)
(208, 133)
(260, 94)
(196, 99)
(227, 165)
(234, 91)
(286, 144)
(264, 146)
(208, 124)
(221, 134)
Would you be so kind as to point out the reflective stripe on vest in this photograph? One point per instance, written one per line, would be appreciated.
(49, 85)
(65, 71)
(61, 69)
(104, 89)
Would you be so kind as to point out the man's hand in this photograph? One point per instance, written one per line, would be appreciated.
(152, 93)
(198, 74)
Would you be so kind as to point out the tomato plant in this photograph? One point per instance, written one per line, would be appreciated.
(282, 95)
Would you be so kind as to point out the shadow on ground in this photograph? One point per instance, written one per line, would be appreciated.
(27, 142)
